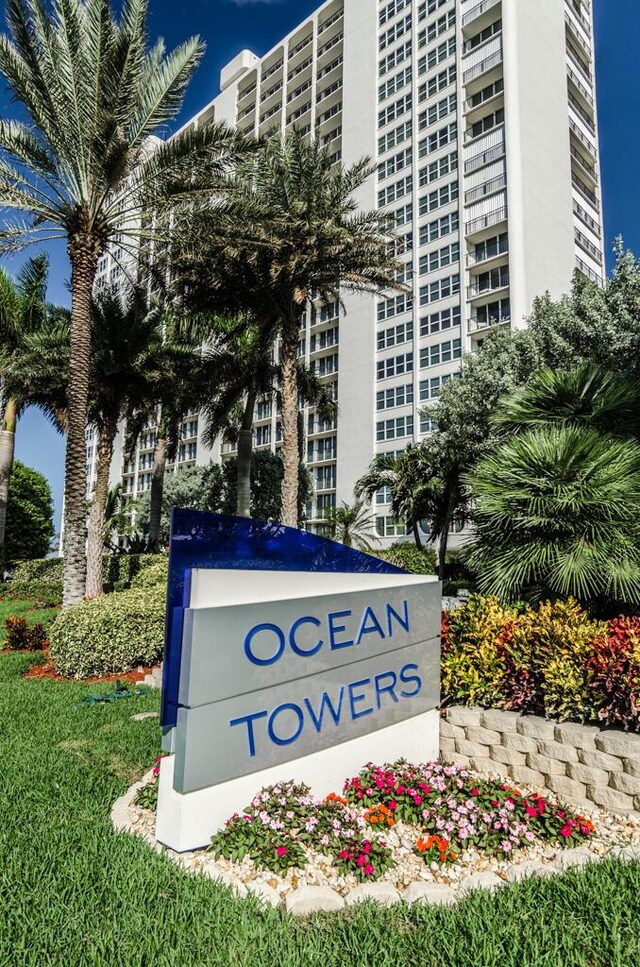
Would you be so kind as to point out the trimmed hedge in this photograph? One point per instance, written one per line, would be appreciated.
(41, 579)
(110, 634)
(156, 573)
(553, 660)
(119, 570)
(410, 558)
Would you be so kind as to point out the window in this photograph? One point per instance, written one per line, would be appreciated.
(438, 198)
(439, 258)
(486, 124)
(438, 27)
(437, 112)
(331, 89)
(440, 289)
(491, 247)
(384, 495)
(395, 163)
(263, 410)
(395, 110)
(428, 8)
(395, 83)
(326, 478)
(394, 33)
(395, 335)
(480, 38)
(494, 279)
(437, 169)
(437, 321)
(392, 429)
(390, 527)
(391, 10)
(498, 311)
(325, 502)
(397, 190)
(438, 83)
(392, 138)
(439, 353)
(439, 139)
(427, 425)
(263, 435)
(324, 340)
(325, 366)
(403, 215)
(389, 308)
(436, 55)
(395, 58)
(387, 399)
(487, 93)
(329, 311)
(430, 389)
(394, 366)
(329, 44)
(439, 228)
(331, 112)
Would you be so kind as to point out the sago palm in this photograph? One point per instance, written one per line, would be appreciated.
(557, 512)
(23, 310)
(351, 525)
(85, 168)
(291, 232)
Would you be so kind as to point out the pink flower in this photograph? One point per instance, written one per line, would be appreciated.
(565, 831)
(361, 860)
(342, 855)
(368, 870)
(281, 850)
(506, 846)
(393, 805)
(530, 811)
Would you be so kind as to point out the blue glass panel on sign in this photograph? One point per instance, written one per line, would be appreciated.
(203, 540)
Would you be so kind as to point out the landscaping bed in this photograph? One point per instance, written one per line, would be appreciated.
(397, 830)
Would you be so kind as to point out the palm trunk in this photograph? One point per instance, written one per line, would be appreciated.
(243, 463)
(157, 486)
(83, 254)
(289, 391)
(416, 534)
(95, 542)
(7, 446)
(442, 549)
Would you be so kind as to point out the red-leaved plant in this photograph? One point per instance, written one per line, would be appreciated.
(614, 670)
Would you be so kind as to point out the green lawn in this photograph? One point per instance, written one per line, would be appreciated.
(31, 610)
(73, 893)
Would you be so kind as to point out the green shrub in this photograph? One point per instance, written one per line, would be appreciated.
(156, 573)
(40, 579)
(110, 634)
(119, 570)
(410, 558)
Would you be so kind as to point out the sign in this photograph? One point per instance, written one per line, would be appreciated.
(274, 667)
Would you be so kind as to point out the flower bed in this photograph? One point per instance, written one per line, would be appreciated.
(553, 660)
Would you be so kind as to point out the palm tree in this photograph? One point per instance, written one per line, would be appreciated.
(557, 512)
(290, 232)
(352, 525)
(85, 167)
(23, 310)
(585, 396)
(400, 476)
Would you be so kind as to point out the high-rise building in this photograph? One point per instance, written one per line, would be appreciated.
(481, 120)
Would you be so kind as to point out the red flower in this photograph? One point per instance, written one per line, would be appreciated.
(475, 792)
(565, 831)
(361, 860)
(343, 854)
(281, 850)
(368, 870)
(531, 811)
(393, 804)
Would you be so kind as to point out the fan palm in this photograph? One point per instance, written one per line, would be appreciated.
(86, 167)
(557, 512)
(23, 310)
(291, 232)
(351, 525)
(587, 395)
(400, 476)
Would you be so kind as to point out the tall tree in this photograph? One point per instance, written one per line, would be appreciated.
(291, 232)
(30, 519)
(23, 310)
(351, 525)
(85, 168)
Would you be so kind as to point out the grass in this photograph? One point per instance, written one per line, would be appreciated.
(74, 893)
(33, 611)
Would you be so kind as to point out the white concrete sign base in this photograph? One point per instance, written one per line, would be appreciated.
(186, 821)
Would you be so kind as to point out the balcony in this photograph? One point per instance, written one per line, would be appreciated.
(482, 67)
(584, 116)
(476, 290)
(473, 260)
(582, 138)
(589, 169)
(588, 271)
(484, 158)
(585, 217)
(471, 15)
(575, 33)
(485, 221)
(588, 246)
(483, 325)
(585, 191)
(488, 188)
(586, 94)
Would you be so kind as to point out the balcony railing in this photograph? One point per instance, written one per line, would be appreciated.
(588, 246)
(477, 11)
(485, 221)
(588, 271)
(577, 35)
(584, 215)
(484, 158)
(473, 259)
(483, 66)
(587, 95)
(581, 136)
(488, 188)
(475, 290)
(477, 325)
(584, 164)
(585, 192)
(578, 108)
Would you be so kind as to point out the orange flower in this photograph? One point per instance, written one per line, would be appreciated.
(333, 797)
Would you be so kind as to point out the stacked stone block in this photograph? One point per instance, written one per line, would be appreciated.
(582, 765)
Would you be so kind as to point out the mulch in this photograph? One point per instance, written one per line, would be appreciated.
(46, 669)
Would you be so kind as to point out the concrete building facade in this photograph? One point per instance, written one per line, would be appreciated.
(481, 119)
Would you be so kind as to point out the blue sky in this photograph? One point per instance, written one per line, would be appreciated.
(227, 26)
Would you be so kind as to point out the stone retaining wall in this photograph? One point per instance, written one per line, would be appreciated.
(578, 764)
